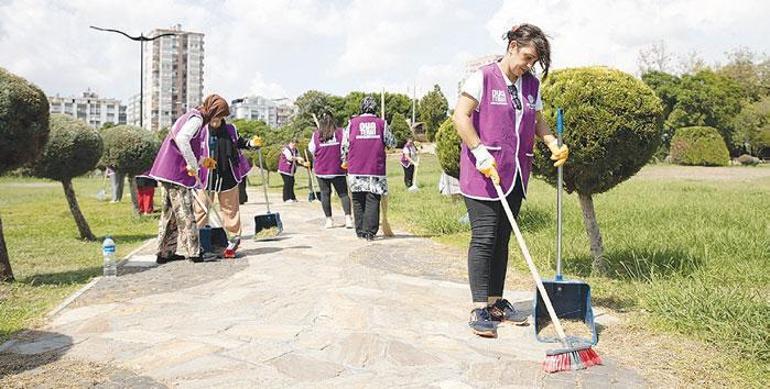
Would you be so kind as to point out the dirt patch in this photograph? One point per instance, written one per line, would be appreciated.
(166, 278)
(46, 370)
(702, 173)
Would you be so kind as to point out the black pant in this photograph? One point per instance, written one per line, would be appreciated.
(288, 187)
(488, 251)
(408, 175)
(340, 186)
(366, 208)
(243, 197)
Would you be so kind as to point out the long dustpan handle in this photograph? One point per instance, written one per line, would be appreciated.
(559, 186)
(264, 182)
(531, 264)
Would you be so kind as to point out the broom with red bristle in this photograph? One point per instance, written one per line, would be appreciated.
(570, 356)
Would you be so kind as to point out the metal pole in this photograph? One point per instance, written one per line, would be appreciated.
(141, 84)
(559, 185)
(414, 103)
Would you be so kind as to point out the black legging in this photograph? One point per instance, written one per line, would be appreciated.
(488, 251)
(408, 175)
(288, 187)
(340, 186)
(366, 208)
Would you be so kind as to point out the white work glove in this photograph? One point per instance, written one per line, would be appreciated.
(485, 163)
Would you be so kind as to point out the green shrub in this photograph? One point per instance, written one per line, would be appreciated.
(23, 121)
(702, 146)
(448, 148)
(400, 129)
(611, 124)
(73, 149)
(129, 149)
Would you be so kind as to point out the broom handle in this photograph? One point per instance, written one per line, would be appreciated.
(532, 268)
(264, 183)
(559, 185)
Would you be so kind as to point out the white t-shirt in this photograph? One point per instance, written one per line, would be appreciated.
(474, 87)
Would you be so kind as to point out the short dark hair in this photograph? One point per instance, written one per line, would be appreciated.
(531, 35)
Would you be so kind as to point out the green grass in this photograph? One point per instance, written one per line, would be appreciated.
(48, 259)
(694, 254)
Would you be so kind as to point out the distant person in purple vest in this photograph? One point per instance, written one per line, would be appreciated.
(498, 116)
(326, 147)
(223, 145)
(408, 154)
(287, 166)
(176, 168)
(363, 155)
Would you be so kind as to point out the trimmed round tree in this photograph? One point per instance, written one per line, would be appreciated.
(448, 148)
(73, 149)
(612, 124)
(400, 129)
(702, 146)
(23, 134)
(130, 150)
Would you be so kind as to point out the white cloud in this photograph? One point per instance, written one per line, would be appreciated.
(612, 32)
(286, 47)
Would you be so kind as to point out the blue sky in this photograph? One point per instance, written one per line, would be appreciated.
(282, 48)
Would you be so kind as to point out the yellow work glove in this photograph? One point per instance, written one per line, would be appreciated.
(255, 141)
(558, 154)
(209, 163)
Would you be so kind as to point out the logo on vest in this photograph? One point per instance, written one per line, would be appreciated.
(498, 97)
(367, 131)
(531, 102)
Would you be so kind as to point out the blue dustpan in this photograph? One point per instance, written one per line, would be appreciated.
(571, 299)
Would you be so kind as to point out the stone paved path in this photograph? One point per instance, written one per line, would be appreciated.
(315, 308)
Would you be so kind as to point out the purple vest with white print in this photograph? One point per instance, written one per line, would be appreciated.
(411, 150)
(285, 166)
(509, 142)
(170, 165)
(244, 165)
(327, 157)
(366, 156)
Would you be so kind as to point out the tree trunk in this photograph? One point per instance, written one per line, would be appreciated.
(6, 273)
(134, 193)
(599, 264)
(80, 221)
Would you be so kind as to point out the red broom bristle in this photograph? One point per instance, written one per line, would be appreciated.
(574, 360)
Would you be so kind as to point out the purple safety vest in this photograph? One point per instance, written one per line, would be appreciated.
(244, 165)
(170, 165)
(509, 142)
(412, 151)
(327, 157)
(366, 155)
(285, 166)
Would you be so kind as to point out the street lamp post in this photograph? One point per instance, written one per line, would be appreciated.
(141, 39)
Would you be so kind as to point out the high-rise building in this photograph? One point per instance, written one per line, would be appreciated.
(90, 108)
(132, 110)
(473, 65)
(173, 76)
(273, 112)
(284, 111)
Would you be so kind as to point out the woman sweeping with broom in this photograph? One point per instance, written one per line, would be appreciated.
(224, 145)
(176, 168)
(326, 147)
(498, 116)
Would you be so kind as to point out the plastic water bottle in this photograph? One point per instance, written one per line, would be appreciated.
(110, 264)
